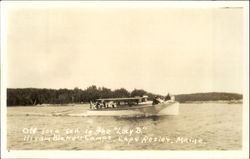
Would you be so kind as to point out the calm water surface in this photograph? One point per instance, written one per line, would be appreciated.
(207, 126)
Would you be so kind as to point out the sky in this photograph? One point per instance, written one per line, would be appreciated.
(159, 50)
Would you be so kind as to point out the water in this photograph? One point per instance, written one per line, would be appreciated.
(208, 126)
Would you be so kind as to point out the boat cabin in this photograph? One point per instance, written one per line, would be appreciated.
(118, 102)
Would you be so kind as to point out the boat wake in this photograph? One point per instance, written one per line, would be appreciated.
(72, 115)
(77, 115)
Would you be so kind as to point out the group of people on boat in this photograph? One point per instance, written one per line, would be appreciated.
(102, 105)
(158, 100)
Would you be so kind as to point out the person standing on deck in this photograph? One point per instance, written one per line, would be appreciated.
(167, 97)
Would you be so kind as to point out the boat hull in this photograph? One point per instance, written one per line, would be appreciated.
(165, 108)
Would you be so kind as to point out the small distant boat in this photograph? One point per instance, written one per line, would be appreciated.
(134, 106)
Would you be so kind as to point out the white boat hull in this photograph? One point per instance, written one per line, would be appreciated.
(165, 108)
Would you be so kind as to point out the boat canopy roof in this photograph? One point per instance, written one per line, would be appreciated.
(122, 99)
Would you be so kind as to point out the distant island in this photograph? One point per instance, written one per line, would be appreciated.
(220, 97)
(38, 96)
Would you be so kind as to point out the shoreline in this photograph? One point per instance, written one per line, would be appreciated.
(217, 102)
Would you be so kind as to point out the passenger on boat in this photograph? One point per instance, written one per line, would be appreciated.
(98, 105)
(167, 97)
(91, 105)
(107, 105)
(110, 104)
(102, 105)
(114, 105)
(157, 100)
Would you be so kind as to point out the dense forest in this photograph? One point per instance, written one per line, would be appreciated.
(212, 96)
(35, 96)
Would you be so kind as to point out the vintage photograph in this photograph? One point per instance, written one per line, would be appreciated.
(124, 78)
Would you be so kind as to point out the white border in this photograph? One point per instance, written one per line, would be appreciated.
(3, 81)
(245, 113)
(123, 154)
(122, 4)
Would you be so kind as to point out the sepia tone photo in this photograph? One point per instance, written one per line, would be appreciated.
(124, 78)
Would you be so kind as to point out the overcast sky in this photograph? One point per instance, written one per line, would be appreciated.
(159, 50)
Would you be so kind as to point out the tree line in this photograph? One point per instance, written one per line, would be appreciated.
(35, 96)
(212, 96)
